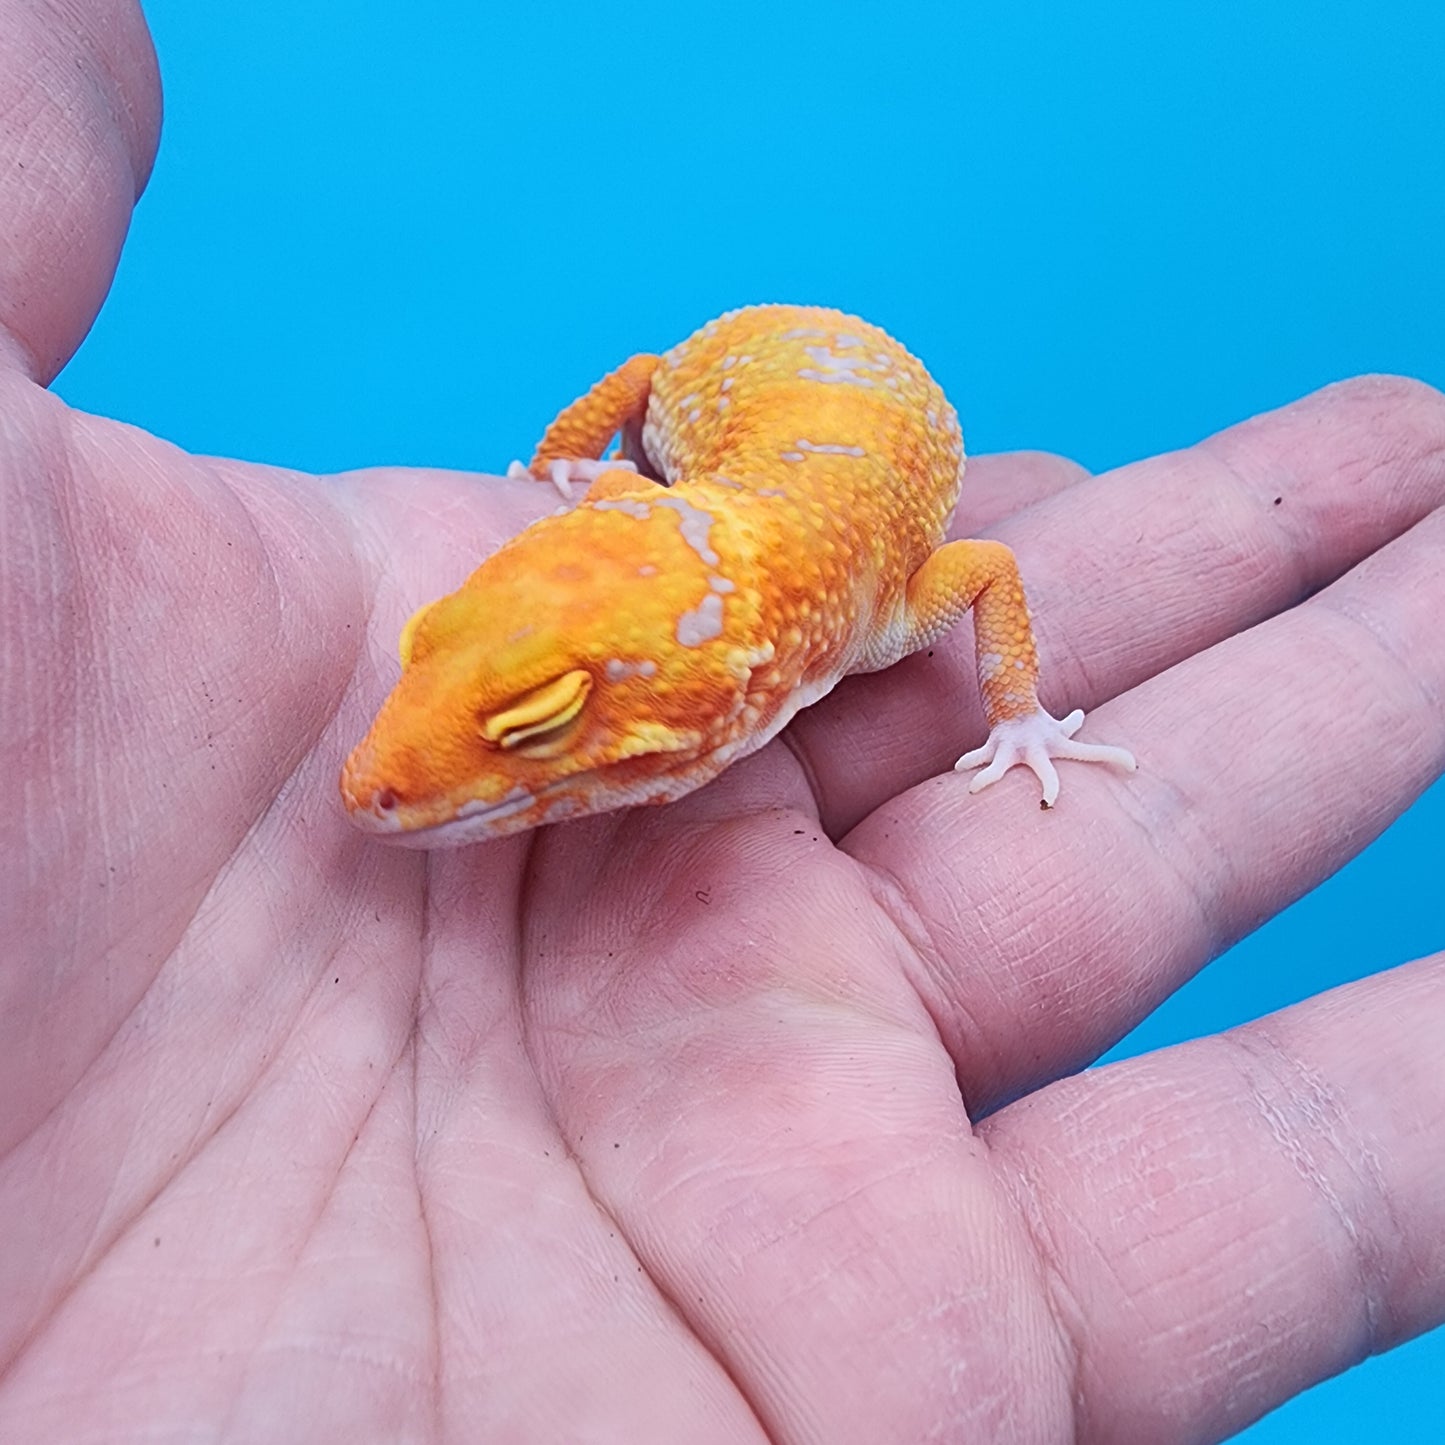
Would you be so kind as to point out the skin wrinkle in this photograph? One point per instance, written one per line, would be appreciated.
(107, 1224)
(433, 1291)
(239, 506)
(326, 1350)
(1189, 882)
(692, 1323)
(1397, 392)
(84, 640)
(303, 1238)
(135, 111)
(14, 356)
(559, 1145)
(1388, 445)
(967, 1036)
(1274, 561)
(45, 1319)
(1398, 669)
(1263, 1348)
(1401, 667)
(796, 743)
(1063, 1308)
(1283, 522)
(118, 947)
(1221, 452)
(276, 595)
(60, 128)
(367, 532)
(275, 592)
(705, 1334)
(798, 1224)
(267, 1064)
(908, 922)
(1300, 1113)
(680, 1308)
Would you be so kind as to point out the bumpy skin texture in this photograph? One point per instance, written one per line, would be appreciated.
(627, 650)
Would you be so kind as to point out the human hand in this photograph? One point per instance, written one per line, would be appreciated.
(657, 1125)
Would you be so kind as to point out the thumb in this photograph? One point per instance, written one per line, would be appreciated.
(81, 97)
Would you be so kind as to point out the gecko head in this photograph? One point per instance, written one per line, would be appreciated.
(559, 680)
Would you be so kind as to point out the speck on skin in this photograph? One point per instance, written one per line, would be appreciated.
(618, 671)
(696, 527)
(640, 510)
(839, 449)
(809, 374)
(702, 623)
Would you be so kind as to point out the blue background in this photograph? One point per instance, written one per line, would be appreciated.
(1110, 228)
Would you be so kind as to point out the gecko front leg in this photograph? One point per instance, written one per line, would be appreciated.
(985, 576)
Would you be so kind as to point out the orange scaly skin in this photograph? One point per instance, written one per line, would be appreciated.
(627, 650)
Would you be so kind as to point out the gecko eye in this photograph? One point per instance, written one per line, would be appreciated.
(539, 713)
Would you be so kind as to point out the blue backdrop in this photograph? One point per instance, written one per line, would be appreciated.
(1110, 229)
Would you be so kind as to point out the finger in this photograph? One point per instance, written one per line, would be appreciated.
(998, 485)
(1130, 572)
(1227, 1222)
(173, 645)
(757, 1100)
(516, 1241)
(1264, 764)
(83, 78)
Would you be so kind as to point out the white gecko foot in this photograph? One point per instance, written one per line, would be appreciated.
(1034, 741)
(564, 471)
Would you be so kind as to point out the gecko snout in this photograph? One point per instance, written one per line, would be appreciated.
(370, 802)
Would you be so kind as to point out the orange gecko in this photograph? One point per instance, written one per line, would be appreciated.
(629, 648)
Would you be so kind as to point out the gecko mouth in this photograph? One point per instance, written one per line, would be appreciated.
(448, 824)
(390, 821)
(452, 821)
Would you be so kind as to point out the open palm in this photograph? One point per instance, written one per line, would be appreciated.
(657, 1126)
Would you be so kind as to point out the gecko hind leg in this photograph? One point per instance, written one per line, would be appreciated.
(985, 576)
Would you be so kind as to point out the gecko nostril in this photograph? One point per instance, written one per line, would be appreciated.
(383, 800)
